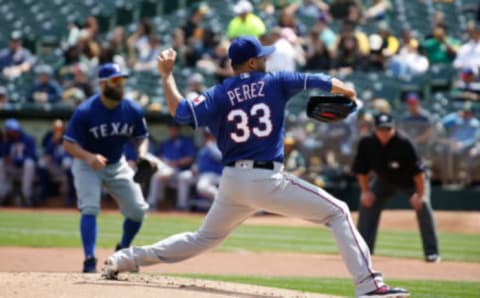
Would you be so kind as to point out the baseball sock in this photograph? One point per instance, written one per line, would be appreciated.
(130, 229)
(88, 229)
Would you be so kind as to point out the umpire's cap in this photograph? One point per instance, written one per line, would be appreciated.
(384, 120)
(110, 70)
(246, 47)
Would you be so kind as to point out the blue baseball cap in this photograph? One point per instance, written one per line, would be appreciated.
(246, 47)
(12, 125)
(110, 70)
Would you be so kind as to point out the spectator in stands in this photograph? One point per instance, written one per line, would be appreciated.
(294, 160)
(287, 19)
(209, 167)
(288, 53)
(348, 55)
(469, 53)
(195, 86)
(382, 46)
(55, 165)
(192, 29)
(440, 48)
(409, 61)
(117, 41)
(15, 60)
(246, 22)
(147, 54)
(340, 9)
(376, 58)
(217, 62)
(178, 154)
(377, 11)
(46, 89)
(19, 161)
(461, 131)
(91, 29)
(326, 35)
(417, 124)
(318, 55)
(467, 87)
(80, 88)
(179, 45)
(4, 100)
(138, 40)
(390, 43)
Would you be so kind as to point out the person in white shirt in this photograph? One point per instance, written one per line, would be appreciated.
(469, 53)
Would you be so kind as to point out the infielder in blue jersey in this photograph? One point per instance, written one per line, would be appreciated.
(96, 136)
(246, 115)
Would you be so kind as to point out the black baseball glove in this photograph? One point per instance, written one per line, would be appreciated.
(146, 167)
(330, 108)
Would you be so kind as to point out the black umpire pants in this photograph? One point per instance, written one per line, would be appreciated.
(369, 217)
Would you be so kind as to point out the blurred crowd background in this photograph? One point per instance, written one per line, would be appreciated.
(416, 59)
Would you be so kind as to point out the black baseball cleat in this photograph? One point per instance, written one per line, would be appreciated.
(387, 292)
(90, 265)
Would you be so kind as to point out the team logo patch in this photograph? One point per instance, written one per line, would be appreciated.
(198, 100)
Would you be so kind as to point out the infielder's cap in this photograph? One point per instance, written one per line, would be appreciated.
(384, 120)
(12, 124)
(246, 47)
(109, 71)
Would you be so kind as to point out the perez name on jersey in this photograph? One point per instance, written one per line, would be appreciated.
(245, 92)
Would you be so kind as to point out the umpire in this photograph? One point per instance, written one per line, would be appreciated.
(397, 168)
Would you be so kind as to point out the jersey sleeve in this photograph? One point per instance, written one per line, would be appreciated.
(76, 132)
(294, 82)
(197, 112)
(140, 130)
(361, 164)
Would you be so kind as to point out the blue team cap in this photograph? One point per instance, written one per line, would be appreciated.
(110, 70)
(12, 125)
(246, 47)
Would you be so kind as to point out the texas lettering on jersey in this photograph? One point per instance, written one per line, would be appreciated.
(111, 129)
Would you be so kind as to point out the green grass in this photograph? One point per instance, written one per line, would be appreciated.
(344, 287)
(52, 229)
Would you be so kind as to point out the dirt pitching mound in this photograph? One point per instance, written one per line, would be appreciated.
(77, 285)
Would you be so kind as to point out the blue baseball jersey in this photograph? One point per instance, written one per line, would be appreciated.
(103, 131)
(246, 113)
(21, 149)
(177, 148)
(55, 150)
(209, 160)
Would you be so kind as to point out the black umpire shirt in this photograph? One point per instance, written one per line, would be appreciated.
(395, 163)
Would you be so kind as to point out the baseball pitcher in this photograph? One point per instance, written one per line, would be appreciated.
(246, 115)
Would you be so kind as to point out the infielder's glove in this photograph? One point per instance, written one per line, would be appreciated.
(330, 108)
(146, 167)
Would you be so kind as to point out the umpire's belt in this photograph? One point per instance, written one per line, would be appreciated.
(251, 164)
